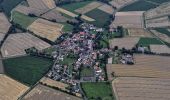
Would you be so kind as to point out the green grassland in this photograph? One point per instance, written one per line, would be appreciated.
(140, 5)
(163, 31)
(101, 90)
(73, 6)
(23, 20)
(8, 5)
(148, 41)
(67, 27)
(101, 17)
(28, 69)
(86, 72)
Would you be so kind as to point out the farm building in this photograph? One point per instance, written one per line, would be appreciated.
(132, 19)
(11, 89)
(133, 88)
(16, 44)
(160, 49)
(46, 29)
(127, 42)
(145, 66)
(4, 26)
(46, 93)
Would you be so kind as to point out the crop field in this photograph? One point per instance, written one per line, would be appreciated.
(54, 83)
(163, 31)
(16, 44)
(23, 20)
(4, 24)
(67, 27)
(145, 66)
(159, 1)
(89, 7)
(128, 42)
(144, 41)
(106, 8)
(139, 33)
(132, 88)
(86, 72)
(41, 92)
(8, 5)
(160, 49)
(46, 29)
(27, 69)
(101, 17)
(11, 89)
(140, 5)
(100, 90)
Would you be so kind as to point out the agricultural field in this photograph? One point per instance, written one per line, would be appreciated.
(132, 88)
(158, 1)
(101, 90)
(41, 92)
(101, 17)
(23, 20)
(141, 5)
(8, 5)
(67, 27)
(16, 44)
(127, 42)
(86, 72)
(11, 89)
(163, 31)
(106, 8)
(144, 41)
(145, 66)
(160, 49)
(27, 69)
(46, 29)
(131, 19)
(139, 33)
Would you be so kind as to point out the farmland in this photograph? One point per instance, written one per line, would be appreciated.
(86, 72)
(27, 69)
(132, 88)
(148, 41)
(98, 90)
(11, 89)
(16, 44)
(163, 31)
(41, 92)
(8, 5)
(46, 29)
(101, 19)
(139, 33)
(140, 5)
(23, 20)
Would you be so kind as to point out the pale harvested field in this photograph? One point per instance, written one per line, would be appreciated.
(49, 3)
(121, 3)
(137, 32)
(41, 92)
(88, 7)
(73, 15)
(127, 42)
(10, 89)
(1, 66)
(54, 15)
(106, 8)
(158, 22)
(162, 10)
(46, 29)
(133, 88)
(161, 36)
(16, 44)
(131, 19)
(145, 66)
(54, 83)
(164, 49)
(4, 26)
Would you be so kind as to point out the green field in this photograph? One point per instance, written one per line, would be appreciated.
(23, 20)
(86, 72)
(28, 69)
(98, 91)
(149, 41)
(67, 28)
(158, 1)
(8, 5)
(73, 6)
(163, 31)
(100, 16)
(140, 5)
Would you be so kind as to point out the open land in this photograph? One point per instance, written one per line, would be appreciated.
(146, 41)
(10, 89)
(139, 32)
(27, 69)
(162, 49)
(106, 8)
(135, 88)
(16, 44)
(46, 93)
(46, 29)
